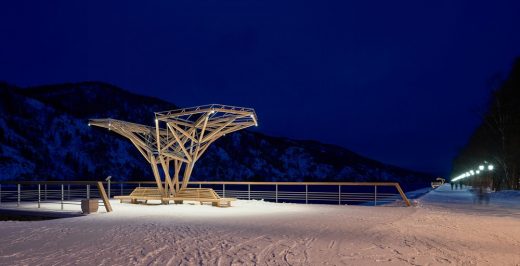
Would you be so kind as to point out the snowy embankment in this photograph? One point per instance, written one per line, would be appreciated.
(256, 232)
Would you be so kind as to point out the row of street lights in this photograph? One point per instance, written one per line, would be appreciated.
(472, 172)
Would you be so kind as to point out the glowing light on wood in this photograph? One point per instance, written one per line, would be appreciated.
(182, 136)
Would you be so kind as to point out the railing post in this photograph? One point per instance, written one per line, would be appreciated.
(61, 196)
(200, 186)
(306, 194)
(121, 193)
(276, 193)
(104, 196)
(45, 192)
(18, 198)
(0, 194)
(139, 184)
(405, 199)
(68, 192)
(88, 191)
(39, 195)
(339, 194)
(249, 191)
(223, 190)
(375, 195)
(108, 188)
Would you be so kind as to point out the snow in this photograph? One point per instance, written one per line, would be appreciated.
(503, 203)
(418, 193)
(444, 228)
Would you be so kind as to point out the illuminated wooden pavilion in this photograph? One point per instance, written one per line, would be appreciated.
(180, 136)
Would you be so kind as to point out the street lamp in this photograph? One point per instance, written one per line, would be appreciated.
(469, 173)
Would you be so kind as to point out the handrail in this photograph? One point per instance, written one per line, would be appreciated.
(224, 183)
(394, 184)
(64, 182)
(98, 184)
(208, 183)
(296, 183)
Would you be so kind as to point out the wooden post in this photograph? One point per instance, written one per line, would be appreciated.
(88, 191)
(249, 191)
(187, 174)
(405, 199)
(177, 168)
(104, 197)
(168, 185)
(155, 171)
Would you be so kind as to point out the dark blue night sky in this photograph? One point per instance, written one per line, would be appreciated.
(399, 81)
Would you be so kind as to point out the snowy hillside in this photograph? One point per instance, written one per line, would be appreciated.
(44, 135)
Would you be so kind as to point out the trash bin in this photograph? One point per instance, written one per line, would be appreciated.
(89, 206)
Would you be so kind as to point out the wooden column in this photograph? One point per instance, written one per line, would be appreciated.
(156, 175)
(168, 180)
(177, 165)
(187, 174)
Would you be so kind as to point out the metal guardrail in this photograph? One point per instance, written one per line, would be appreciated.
(323, 192)
(359, 193)
(63, 192)
(367, 193)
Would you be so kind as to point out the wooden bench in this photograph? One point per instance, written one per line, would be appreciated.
(142, 193)
(201, 195)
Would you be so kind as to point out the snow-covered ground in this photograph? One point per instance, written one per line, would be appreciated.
(444, 228)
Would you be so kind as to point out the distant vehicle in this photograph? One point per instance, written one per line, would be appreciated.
(438, 183)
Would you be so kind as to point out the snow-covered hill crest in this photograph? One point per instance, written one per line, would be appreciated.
(44, 135)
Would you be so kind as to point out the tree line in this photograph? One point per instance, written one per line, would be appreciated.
(497, 139)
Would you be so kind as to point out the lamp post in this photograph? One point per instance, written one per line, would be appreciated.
(471, 172)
